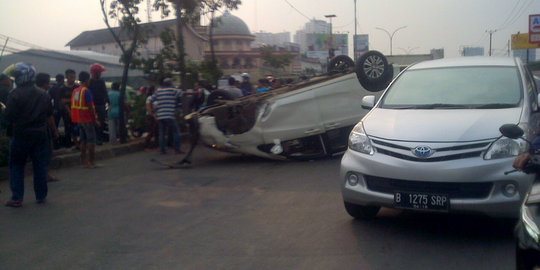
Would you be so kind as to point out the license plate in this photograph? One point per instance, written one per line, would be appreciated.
(421, 201)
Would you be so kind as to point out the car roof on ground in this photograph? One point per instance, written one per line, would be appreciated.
(465, 61)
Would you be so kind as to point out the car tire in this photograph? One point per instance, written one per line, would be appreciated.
(361, 211)
(217, 95)
(340, 63)
(373, 71)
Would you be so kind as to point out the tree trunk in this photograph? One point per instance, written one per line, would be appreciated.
(211, 38)
(127, 59)
(180, 44)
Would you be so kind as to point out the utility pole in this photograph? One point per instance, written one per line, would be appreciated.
(490, 38)
(331, 36)
(354, 37)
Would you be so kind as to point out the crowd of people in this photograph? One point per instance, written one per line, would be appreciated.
(72, 113)
(34, 111)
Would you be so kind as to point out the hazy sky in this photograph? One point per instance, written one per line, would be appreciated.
(446, 24)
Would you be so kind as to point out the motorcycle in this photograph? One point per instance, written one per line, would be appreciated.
(527, 230)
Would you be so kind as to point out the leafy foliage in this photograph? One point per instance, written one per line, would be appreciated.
(274, 59)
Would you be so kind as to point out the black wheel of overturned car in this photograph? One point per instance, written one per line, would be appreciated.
(217, 95)
(361, 211)
(340, 63)
(373, 71)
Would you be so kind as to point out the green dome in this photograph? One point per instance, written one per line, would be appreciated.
(228, 24)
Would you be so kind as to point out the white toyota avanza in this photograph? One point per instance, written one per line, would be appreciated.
(432, 141)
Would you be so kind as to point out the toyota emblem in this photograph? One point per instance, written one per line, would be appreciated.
(423, 151)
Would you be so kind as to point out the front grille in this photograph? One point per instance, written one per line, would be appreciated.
(436, 159)
(443, 151)
(453, 190)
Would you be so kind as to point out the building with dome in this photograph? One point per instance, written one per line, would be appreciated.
(233, 51)
(231, 37)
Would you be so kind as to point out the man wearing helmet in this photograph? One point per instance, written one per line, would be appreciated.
(99, 92)
(246, 86)
(27, 111)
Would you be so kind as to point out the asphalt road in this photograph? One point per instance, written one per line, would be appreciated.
(231, 212)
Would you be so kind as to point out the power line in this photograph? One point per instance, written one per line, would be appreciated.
(510, 15)
(299, 12)
(518, 14)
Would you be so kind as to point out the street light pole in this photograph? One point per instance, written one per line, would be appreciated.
(354, 37)
(330, 16)
(391, 36)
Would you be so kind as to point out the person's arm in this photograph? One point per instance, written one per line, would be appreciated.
(521, 161)
(88, 98)
(50, 118)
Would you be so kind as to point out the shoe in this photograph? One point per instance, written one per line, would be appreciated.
(14, 204)
(42, 201)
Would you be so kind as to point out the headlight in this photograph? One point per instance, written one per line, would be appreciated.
(359, 141)
(506, 147)
(528, 222)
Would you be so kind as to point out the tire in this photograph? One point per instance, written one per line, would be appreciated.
(340, 63)
(360, 211)
(373, 71)
(217, 95)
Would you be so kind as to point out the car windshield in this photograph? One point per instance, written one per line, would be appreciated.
(455, 88)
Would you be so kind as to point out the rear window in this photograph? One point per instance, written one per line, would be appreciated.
(463, 87)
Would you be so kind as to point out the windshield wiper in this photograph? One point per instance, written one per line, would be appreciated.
(495, 106)
(441, 106)
(425, 106)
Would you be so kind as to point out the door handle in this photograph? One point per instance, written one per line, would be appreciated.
(332, 125)
(311, 131)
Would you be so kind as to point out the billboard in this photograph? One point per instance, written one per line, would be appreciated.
(521, 42)
(320, 44)
(534, 28)
(362, 43)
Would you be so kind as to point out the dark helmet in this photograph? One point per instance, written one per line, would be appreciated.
(23, 73)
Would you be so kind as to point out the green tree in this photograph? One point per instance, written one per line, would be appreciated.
(276, 60)
(188, 10)
(125, 11)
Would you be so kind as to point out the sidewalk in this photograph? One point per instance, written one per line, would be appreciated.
(64, 157)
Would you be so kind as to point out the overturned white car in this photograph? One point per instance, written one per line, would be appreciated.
(309, 119)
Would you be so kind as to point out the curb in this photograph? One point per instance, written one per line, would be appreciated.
(66, 158)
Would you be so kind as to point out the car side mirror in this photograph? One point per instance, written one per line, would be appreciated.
(368, 102)
(511, 131)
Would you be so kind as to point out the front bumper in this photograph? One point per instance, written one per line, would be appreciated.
(495, 202)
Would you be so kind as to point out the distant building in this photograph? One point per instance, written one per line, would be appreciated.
(525, 55)
(56, 62)
(271, 39)
(312, 27)
(472, 51)
(102, 41)
(234, 51)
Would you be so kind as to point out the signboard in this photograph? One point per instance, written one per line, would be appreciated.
(323, 42)
(534, 28)
(362, 43)
(521, 42)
